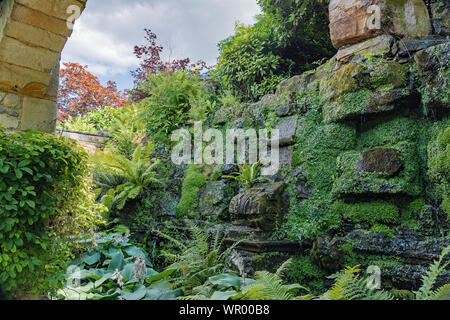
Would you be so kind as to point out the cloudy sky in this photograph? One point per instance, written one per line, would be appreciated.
(106, 33)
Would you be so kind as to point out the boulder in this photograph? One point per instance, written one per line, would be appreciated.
(287, 129)
(352, 21)
(259, 206)
(380, 160)
(378, 46)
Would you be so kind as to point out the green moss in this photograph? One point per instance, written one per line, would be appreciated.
(381, 228)
(439, 167)
(413, 210)
(402, 294)
(388, 74)
(305, 272)
(344, 81)
(217, 174)
(192, 183)
(370, 212)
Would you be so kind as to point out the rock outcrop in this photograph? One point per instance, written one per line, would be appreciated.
(356, 140)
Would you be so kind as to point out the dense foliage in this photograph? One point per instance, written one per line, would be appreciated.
(175, 100)
(113, 268)
(152, 63)
(81, 92)
(44, 200)
(287, 38)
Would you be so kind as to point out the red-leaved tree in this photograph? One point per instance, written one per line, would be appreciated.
(151, 62)
(81, 92)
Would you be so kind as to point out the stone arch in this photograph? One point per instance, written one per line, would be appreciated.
(32, 35)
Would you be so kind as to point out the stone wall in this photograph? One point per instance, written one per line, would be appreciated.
(91, 143)
(32, 35)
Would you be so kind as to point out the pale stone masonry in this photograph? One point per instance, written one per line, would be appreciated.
(32, 36)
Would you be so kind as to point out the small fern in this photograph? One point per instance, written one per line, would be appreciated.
(248, 175)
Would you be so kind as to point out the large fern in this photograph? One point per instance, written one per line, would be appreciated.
(349, 286)
(426, 292)
(200, 258)
(137, 173)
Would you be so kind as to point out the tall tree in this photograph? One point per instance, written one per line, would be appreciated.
(81, 92)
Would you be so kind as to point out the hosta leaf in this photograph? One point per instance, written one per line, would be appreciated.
(91, 257)
(138, 293)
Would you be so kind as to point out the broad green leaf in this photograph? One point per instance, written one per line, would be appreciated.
(92, 257)
(220, 295)
(138, 293)
(116, 262)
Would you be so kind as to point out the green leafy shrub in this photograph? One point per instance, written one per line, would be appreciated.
(193, 181)
(115, 269)
(94, 121)
(136, 173)
(247, 65)
(126, 130)
(173, 98)
(45, 200)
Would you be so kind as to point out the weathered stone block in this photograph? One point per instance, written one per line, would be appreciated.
(378, 46)
(259, 206)
(287, 129)
(380, 160)
(34, 36)
(362, 89)
(17, 53)
(40, 20)
(352, 21)
(20, 79)
(38, 114)
(54, 8)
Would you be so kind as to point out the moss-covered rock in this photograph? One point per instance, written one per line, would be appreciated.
(370, 86)
(434, 69)
(193, 181)
(372, 212)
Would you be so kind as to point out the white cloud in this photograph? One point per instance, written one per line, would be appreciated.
(107, 31)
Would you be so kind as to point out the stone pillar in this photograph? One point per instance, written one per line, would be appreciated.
(32, 35)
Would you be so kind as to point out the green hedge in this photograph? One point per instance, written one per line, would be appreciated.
(45, 200)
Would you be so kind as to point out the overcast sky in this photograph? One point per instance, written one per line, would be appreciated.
(106, 33)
